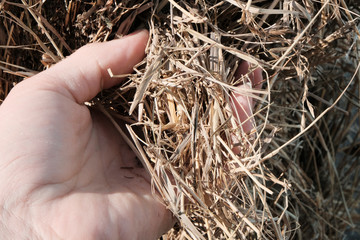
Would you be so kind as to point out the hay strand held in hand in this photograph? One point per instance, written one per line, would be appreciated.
(293, 175)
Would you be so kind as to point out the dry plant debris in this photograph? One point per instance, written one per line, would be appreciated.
(297, 174)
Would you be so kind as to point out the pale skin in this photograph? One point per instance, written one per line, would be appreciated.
(65, 172)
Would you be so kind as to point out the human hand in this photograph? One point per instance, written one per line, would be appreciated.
(243, 105)
(65, 172)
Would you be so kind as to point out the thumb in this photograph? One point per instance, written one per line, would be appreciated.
(82, 75)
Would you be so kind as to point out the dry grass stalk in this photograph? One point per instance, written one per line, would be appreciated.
(296, 175)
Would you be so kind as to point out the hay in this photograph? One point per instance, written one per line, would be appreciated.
(296, 175)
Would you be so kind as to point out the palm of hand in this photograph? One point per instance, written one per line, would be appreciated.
(81, 166)
(74, 176)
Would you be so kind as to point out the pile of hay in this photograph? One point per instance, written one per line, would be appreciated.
(296, 175)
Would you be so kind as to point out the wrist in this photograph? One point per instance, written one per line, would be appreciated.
(14, 224)
(14, 227)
